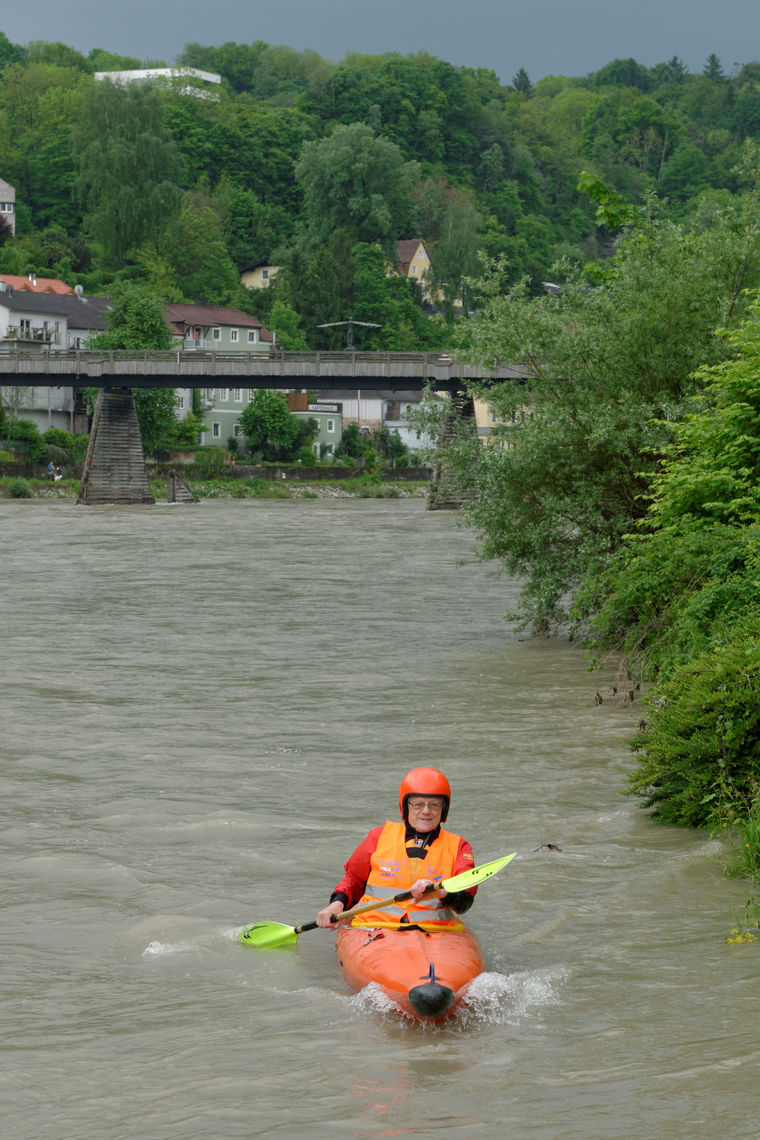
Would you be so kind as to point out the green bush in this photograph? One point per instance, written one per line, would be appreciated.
(81, 443)
(700, 744)
(58, 437)
(24, 431)
(56, 455)
(19, 489)
(210, 461)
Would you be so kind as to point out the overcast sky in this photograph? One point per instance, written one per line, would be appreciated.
(546, 37)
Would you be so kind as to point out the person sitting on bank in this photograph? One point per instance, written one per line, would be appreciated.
(407, 856)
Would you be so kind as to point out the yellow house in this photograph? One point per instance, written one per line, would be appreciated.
(259, 275)
(413, 261)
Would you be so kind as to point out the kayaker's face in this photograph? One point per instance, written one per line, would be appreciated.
(424, 812)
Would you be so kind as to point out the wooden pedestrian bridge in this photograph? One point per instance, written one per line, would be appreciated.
(348, 370)
(115, 471)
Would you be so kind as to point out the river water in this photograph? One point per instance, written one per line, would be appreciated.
(202, 710)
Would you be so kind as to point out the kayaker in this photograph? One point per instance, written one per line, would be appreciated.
(407, 855)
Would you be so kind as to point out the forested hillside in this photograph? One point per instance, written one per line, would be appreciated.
(312, 165)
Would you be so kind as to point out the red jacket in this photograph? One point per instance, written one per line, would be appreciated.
(351, 887)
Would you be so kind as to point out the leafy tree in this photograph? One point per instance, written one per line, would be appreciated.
(101, 60)
(13, 399)
(283, 322)
(604, 369)
(136, 320)
(61, 55)
(41, 101)
(194, 246)
(690, 570)
(353, 443)
(269, 427)
(357, 181)
(129, 167)
(9, 52)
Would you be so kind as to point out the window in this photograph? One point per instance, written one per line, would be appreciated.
(216, 431)
(331, 426)
(253, 336)
(237, 395)
(414, 270)
(234, 335)
(224, 393)
(180, 401)
(216, 334)
(6, 207)
(265, 275)
(237, 431)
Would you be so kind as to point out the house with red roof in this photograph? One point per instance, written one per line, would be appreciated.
(218, 328)
(413, 259)
(34, 284)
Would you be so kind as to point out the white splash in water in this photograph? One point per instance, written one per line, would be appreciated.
(166, 948)
(491, 999)
(504, 999)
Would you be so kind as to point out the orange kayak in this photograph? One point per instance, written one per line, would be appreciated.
(427, 975)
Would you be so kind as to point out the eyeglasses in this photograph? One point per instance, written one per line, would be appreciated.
(416, 803)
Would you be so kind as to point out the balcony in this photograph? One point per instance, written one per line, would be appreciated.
(35, 335)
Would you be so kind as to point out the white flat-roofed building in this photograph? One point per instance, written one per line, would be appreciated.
(188, 80)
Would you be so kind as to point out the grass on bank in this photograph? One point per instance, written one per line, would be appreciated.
(225, 487)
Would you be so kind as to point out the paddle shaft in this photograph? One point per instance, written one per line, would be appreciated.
(403, 896)
(270, 934)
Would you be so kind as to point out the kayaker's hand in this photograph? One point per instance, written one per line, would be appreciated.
(420, 888)
(324, 918)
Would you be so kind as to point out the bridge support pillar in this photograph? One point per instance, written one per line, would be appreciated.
(114, 470)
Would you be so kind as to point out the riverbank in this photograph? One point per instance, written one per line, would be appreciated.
(227, 487)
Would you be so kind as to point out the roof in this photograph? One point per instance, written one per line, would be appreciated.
(79, 313)
(213, 316)
(405, 251)
(34, 284)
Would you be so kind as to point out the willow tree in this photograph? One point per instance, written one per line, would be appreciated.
(129, 168)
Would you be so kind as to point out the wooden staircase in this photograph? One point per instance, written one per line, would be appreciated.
(114, 470)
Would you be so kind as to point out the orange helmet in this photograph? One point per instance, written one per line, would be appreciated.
(424, 782)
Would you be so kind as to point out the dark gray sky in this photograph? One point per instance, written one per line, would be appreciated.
(546, 37)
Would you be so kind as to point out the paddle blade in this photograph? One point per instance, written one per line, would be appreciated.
(268, 935)
(476, 875)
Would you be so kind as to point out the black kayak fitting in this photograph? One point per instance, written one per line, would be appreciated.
(431, 999)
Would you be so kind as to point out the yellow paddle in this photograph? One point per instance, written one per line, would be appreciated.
(270, 935)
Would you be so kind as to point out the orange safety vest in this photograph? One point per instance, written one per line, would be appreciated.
(392, 871)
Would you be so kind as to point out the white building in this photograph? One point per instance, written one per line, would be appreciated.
(187, 80)
(8, 204)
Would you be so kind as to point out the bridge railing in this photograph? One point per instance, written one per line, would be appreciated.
(187, 356)
(275, 367)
